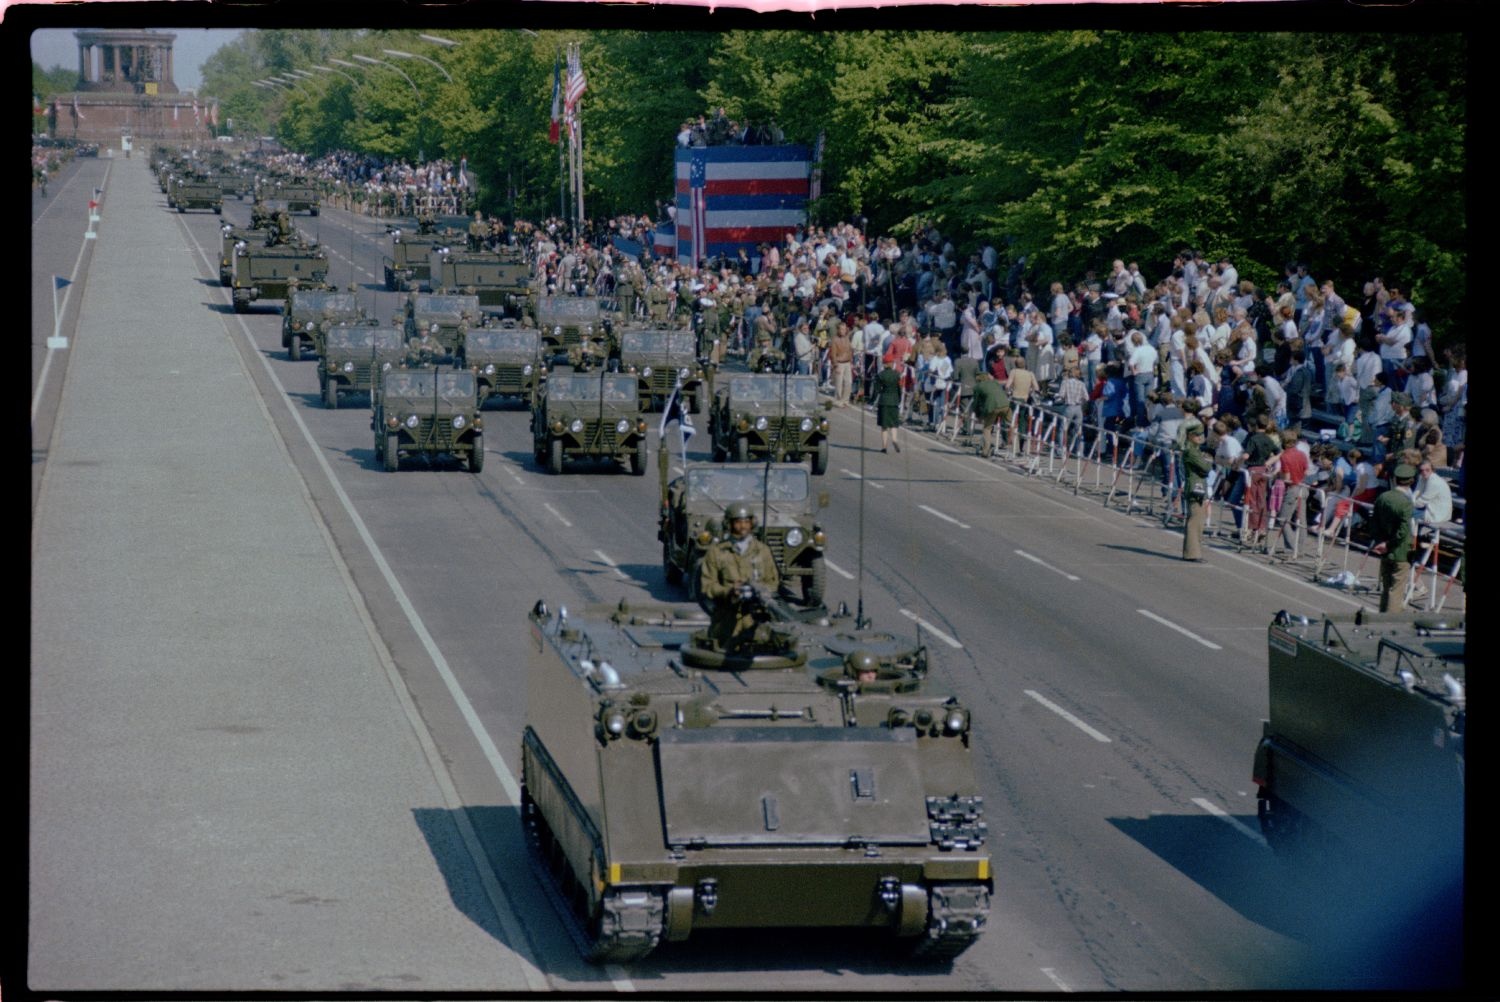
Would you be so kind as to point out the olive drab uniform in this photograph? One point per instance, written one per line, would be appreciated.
(658, 298)
(478, 231)
(1392, 526)
(721, 574)
(1196, 467)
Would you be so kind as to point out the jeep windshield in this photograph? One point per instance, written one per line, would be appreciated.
(503, 340)
(800, 390)
(567, 310)
(418, 385)
(724, 485)
(615, 387)
(355, 338)
(659, 344)
(448, 306)
(324, 302)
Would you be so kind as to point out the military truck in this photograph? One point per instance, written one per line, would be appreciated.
(588, 415)
(1363, 752)
(430, 411)
(264, 272)
(670, 787)
(447, 317)
(354, 357)
(297, 197)
(507, 361)
(785, 509)
(662, 359)
(758, 414)
(410, 264)
(196, 193)
(233, 235)
(498, 279)
(309, 312)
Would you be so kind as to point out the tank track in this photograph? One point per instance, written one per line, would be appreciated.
(956, 918)
(632, 921)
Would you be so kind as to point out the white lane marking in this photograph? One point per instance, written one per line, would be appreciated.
(837, 569)
(946, 518)
(616, 567)
(1039, 560)
(1173, 626)
(932, 629)
(1225, 817)
(856, 476)
(557, 514)
(1085, 728)
(1052, 977)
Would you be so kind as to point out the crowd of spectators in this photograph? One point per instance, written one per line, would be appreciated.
(718, 129)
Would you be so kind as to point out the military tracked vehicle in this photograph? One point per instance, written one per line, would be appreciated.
(758, 415)
(499, 279)
(196, 193)
(297, 197)
(588, 415)
(786, 512)
(670, 787)
(428, 411)
(353, 358)
(409, 266)
(233, 235)
(268, 272)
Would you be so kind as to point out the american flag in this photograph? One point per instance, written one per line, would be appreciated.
(698, 185)
(552, 130)
(733, 197)
(576, 83)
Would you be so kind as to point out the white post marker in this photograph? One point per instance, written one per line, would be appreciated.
(57, 340)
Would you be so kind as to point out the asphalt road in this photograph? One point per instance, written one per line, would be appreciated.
(1117, 692)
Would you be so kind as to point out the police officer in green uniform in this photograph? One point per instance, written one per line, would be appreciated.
(736, 574)
(991, 404)
(1196, 466)
(1392, 531)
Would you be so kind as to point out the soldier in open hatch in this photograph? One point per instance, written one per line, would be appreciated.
(737, 574)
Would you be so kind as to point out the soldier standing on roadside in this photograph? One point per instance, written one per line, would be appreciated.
(1196, 467)
(1393, 538)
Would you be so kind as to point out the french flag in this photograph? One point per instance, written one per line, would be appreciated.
(730, 197)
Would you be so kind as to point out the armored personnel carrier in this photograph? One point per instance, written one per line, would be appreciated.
(267, 272)
(813, 778)
(233, 235)
(588, 415)
(663, 359)
(1365, 740)
(309, 312)
(499, 279)
(786, 511)
(430, 411)
(297, 197)
(196, 193)
(354, 356)
(446, 317)
(759, 414)
(410, 266)
(507, 360)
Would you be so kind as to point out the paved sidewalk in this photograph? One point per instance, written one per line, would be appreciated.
(225, 790)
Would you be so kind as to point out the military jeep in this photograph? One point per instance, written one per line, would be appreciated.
(661, 360)
(309, 312)
(588, 415)
(782, 497)
(431, 411)
(568, 321)
(507, 361)
(445, 317)
(353, 358)
(759, 415)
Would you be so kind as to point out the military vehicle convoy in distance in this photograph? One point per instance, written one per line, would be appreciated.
(588, 415)
(410, 266)
(499, 279)
(196, 193)
(354, 357)
(447, 317)
(262, 272)
(786, 513)
(669, 788)
(661, 360)
(428, 411)
(309, 313)
(760, 414)
(1364, 747)
(507, 361)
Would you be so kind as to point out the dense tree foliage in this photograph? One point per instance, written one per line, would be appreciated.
(1069, 148)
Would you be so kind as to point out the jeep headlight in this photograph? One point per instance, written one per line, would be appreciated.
(683, 372)
(819, 539)
(557, 331)
(761, 423)
(956, 721)
(489, 368)
(576, 426)
(526, 369)
(458, 422)
(794, 537)
(646, 372)
(622, 426)
(807, 424)
(348, 366)
(385, 367)
(411, 420)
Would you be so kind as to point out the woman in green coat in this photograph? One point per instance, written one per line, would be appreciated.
(888, 405)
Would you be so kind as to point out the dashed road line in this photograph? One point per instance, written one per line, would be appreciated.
(1052, 977)
(856, 476)
(1039, 560)
(1185, 632)
(837, 569)
(1234, 823)
(946, 518)
(557, 514)
(932, 629)
(604, 557)
(1085, 728)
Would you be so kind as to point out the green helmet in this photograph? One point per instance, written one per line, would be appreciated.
(858, 661)
(738, 509)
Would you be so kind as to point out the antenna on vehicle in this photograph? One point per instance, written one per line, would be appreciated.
(860, 622)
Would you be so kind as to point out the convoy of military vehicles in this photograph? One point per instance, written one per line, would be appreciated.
(811, 774)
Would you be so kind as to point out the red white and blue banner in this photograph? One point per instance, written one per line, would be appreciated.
(729, 197)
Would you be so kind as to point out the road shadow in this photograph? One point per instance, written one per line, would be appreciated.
(1378, 925)
(1175, 558)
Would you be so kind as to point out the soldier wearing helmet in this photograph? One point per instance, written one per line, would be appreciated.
(862, 666)
(737, 574)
